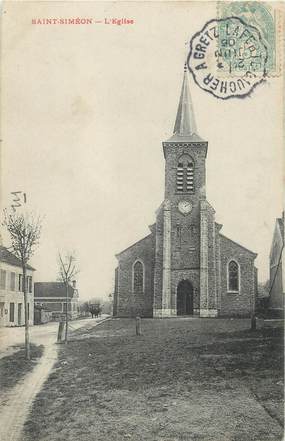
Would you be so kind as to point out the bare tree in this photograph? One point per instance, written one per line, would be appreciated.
(25, 231)
(67, 272)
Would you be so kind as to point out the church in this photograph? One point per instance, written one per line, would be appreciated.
(185, 266)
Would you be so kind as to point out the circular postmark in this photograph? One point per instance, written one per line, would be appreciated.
(228, 58)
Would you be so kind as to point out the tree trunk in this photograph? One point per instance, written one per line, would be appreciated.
(27, 328)
(66, 314)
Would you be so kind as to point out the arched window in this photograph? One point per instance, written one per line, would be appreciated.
(185, 175)
(138, 277)
(233, 276)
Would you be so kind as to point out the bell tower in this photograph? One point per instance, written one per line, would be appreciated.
(181, 234)
(185, 153)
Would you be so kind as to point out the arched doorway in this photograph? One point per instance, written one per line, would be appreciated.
(184, 298)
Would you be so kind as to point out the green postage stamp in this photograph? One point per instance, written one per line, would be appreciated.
(238, 50)
(266, 19)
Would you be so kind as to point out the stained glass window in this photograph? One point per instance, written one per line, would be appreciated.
(138, 277)
(233, 271)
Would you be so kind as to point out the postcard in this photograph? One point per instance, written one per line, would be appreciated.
(142, 220)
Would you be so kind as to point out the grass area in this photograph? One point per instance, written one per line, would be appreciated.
(15, 366)
(200, 379)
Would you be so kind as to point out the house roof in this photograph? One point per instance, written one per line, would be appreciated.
(185, 129)
(52, 289)
(8, 257)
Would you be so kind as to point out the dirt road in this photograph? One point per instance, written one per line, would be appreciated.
(17, 403)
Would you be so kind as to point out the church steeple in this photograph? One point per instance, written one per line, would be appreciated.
(185, 153)
(185, 124)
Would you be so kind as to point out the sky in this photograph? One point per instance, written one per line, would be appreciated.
(85, 109)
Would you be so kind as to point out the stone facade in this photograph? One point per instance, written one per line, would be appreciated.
(127, 301)
(235, 303)
(186, 261)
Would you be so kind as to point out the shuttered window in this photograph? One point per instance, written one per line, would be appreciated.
(12, 312)
(2, 279)
(12, 281)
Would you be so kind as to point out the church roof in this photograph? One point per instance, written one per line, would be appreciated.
(239, 245)
(185, 129)
(134, 244)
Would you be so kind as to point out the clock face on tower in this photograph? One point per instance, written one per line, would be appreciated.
(184, 207)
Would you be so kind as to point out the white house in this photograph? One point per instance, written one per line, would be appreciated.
(12, 312)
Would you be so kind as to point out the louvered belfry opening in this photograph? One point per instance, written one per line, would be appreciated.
(190, 177)
(180, 177)
(185, 176)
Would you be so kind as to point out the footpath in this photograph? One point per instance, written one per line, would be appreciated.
(15, 404)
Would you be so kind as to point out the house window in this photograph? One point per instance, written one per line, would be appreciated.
(138, 277)
(185, 175)
(68, 307)
(19, 314)
(27, 284)
(28, 311)
(2, 279)
(12, 281)
(20, 283)
(12, 312)
(233, 276)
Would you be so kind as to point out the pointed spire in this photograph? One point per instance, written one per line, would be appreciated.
(185, 124)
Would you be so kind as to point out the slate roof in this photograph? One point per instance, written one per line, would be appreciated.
(8, 257)
(185, 129)
(52, 289)
(176, 137)
(134, 244)
(239, 245)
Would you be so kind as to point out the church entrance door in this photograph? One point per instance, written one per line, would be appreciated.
(185, 298)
